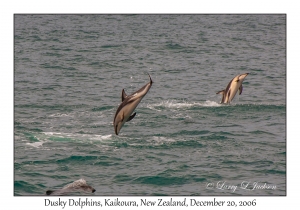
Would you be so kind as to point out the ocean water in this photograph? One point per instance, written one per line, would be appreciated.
(69, 71)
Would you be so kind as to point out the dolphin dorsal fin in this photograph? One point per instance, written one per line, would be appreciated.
(131, 117)
(123, 95)
(221, 92)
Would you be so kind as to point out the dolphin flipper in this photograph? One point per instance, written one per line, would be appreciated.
(221, 92)
(241, 89)
(131, 117)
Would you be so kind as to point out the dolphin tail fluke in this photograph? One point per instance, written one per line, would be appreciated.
(241, 89)
(150, 79)
(131, 117)
(221, 92)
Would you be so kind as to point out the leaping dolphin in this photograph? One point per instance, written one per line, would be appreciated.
(234, 85)
(129, 103)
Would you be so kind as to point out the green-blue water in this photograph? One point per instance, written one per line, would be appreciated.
(69, 74)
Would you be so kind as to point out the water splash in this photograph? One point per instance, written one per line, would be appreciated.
(76, 136)
(35, 144)
(172, 104)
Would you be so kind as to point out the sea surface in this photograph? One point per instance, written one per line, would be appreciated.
(69, 71)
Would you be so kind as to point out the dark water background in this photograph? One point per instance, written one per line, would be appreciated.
(69, 71)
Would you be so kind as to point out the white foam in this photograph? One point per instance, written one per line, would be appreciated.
(171, 104)
(183, 104)
(58, 115)
(35, 144)
(51, 133)
(211, 103)
(102, 137)
(79, 136)
(160, 139)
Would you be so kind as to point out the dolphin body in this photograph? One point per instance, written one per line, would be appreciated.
(77, 186)
(234, 85)
(128, 105)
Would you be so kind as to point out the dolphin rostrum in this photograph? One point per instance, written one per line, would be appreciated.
(234, 85)
(129, 103)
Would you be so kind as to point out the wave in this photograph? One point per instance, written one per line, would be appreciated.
(75, 136)
(59, 115)
(26, 188)
(175, 104)
(172, 140)
(44, 137)
(167, 179)
(161, 139)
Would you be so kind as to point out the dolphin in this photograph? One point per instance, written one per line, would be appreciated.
(77, 186)
(234, 85)
(129, 103)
